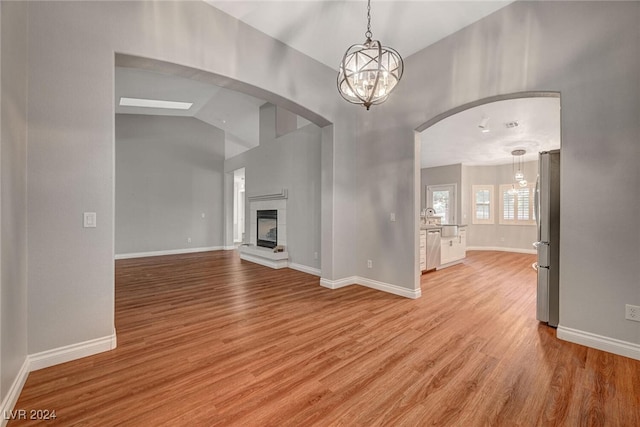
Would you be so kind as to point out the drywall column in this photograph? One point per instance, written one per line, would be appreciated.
(13, 198)
(71, 135)
(587, 51)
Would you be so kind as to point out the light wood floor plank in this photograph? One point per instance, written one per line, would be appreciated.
(207, 339)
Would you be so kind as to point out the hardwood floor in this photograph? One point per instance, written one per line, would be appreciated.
(207, 339)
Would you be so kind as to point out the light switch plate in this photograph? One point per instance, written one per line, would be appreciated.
(89, 220)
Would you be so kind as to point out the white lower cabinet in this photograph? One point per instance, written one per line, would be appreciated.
(423, 250)
(453, 248)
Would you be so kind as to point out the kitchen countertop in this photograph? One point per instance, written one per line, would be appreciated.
(432, 226)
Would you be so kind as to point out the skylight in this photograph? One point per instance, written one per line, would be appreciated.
(154, 103)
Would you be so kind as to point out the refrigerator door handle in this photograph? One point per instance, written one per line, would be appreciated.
(536, 204)
(538, 244)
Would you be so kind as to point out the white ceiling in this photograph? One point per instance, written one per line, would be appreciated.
(459, 139)
(234, 112)
(324, 30)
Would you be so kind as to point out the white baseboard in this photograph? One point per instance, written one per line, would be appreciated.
(501, 249)
(48, 358)
(305, 269)
(272, 263)
(337, 284)
(170, 252)
(9, 402)
(387, 287)
(229, 248)
(611, 345)
(449, 264)
(373, 284)
(71, 352)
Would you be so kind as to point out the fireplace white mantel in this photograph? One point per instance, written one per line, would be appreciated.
(265, 256)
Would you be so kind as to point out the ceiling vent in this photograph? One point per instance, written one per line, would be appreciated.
(511, 125)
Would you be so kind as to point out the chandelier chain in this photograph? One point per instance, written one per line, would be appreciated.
(368, 34)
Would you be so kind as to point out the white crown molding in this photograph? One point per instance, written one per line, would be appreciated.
(611, 345)
(283, 194)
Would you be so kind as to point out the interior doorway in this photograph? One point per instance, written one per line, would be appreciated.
(238, 206)
(468, 176)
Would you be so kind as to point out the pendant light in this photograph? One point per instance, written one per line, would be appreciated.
(369, 71)
(519, 175)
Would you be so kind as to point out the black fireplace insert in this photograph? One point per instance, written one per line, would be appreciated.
(267, 228)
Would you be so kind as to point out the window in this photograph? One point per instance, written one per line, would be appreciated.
(442, 198)
(482, 204)
(516, 205)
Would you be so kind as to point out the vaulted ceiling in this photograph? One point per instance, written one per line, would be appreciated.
(323, 30)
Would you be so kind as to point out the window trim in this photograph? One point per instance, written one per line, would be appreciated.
(453, 200)
(482, 187)
(516, 221)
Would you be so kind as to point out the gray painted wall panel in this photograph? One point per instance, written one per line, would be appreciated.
(588, 51)
(169, 171)
(291, 161)
(71, 137)
(496, 235)
(13, 193)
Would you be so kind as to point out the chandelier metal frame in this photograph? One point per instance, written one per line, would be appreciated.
(369, 72)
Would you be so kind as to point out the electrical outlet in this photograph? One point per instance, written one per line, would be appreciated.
(392, 217)
(369, 263)
(632, 312)
(188, 239)
(315, 255)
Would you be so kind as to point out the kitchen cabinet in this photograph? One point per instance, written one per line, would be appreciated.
(453, 248)
(423, 250)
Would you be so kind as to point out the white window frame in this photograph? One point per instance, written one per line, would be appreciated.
(453, 195)
(474, 191)
(531, 221)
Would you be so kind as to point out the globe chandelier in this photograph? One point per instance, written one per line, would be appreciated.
(369, 71)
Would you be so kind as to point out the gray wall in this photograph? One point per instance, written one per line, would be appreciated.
(518, 237)
(13, 193)
(588, 51)
(71, 141)
(291, 161)
(169, 171)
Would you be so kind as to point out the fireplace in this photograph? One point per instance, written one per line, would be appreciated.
(267, 230)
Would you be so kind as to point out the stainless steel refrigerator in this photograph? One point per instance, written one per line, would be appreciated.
(547, 212)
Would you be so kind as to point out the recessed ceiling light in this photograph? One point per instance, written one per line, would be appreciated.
(483, 125)
(154, 103)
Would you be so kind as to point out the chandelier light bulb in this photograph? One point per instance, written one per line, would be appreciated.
(369, 71)
(523, 183)
(519, 176)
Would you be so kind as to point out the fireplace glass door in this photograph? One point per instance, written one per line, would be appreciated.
(267, 228)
